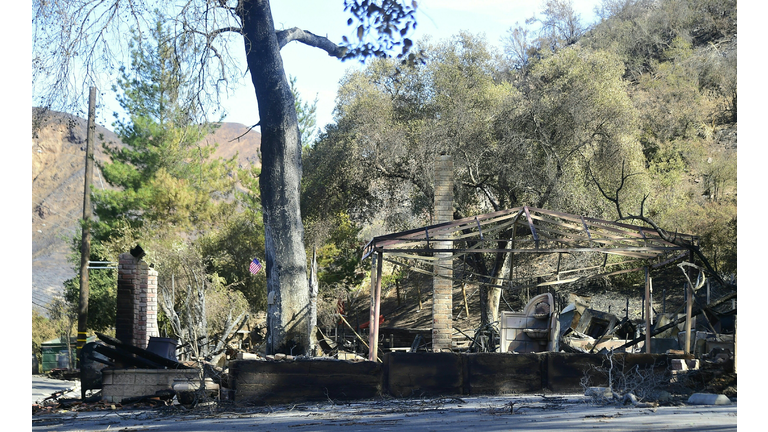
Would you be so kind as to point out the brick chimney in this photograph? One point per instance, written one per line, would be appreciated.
(136, 317)
(442, 288)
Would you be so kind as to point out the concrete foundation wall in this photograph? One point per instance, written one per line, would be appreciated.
(119, 384)
(283, 382)
(490, 373)
(427, 374)
(566, 370)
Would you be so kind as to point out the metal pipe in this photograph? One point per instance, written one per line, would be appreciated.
(647, 313)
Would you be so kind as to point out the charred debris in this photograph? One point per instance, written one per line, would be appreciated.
(702, 330)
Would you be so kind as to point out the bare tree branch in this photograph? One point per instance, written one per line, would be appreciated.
(615, 198)
(309, 38)
(665, 235)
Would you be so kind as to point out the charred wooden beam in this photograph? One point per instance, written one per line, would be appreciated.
(126, 359)
(159, 360)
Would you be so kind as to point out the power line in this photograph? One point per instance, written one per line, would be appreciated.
(42, 300)
(44, 307)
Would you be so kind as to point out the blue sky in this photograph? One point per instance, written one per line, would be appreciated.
(318, 74)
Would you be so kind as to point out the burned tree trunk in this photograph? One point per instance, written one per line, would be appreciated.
(490, 290)
(280, 181)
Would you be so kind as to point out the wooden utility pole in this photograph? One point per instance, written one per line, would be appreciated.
(85, 248)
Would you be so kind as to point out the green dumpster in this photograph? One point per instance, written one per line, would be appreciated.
(54, 349)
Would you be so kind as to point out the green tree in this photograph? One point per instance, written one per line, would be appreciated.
(527, 143)
(206, 28)
(680, 57)
(43, 330)
(306, 113)
(102, 286)
(163, 175)
(339, 257)
(166, 184)
(560, 25)
(238, 239)
(63, 315)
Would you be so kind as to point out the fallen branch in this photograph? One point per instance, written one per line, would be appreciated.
(358, 336)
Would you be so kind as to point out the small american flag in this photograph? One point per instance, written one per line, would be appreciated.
(255, 266)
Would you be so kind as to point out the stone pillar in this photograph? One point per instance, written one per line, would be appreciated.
(442, 287)
(136, 317)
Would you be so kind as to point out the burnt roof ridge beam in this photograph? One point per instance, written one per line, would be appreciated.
(450, 224)
(611, 224)
(531, 226)
(562, 223)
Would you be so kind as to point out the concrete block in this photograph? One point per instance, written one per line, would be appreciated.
(118, 384)
(679, 365)
(149, 377)
(693, 364)
(708, 399)
(247, 356)
(126, 377)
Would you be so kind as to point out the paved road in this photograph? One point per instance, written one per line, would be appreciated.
(571, 413)
(42, 387)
